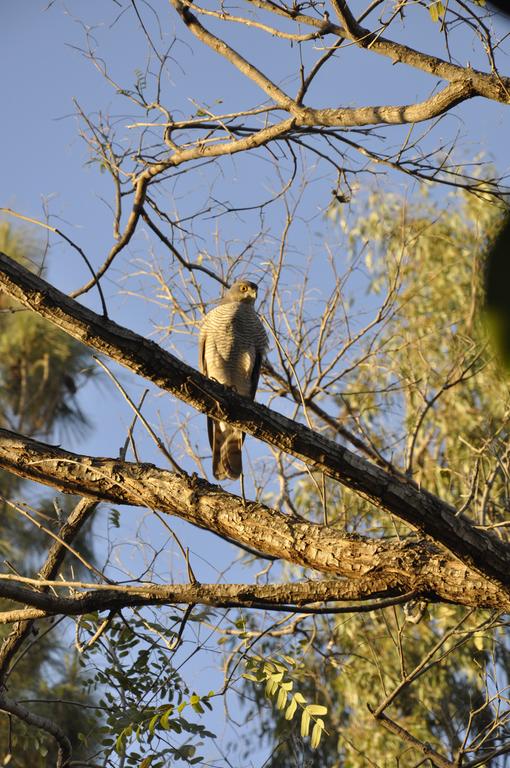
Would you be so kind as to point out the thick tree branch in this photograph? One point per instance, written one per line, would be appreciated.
(492, 86)
(392, 492)
(271, 597)
(453, 94)
(441, 102)
(382, 566)
(268, 596)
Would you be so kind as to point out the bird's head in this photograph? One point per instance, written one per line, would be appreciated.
(241, 290)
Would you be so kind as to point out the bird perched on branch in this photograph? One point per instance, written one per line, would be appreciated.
(232, 346)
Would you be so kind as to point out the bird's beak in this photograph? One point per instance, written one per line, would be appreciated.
(253, 292)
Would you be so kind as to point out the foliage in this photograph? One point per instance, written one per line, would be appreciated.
(275, 674)
(40, 370)
(131, 668)
(432, 397)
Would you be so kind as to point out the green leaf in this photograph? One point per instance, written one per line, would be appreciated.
(478, 641)
(253, 678)
(271, 687)
(164, 719)
(436, 10)
(119, 744)
(152, 723)
(281, 701)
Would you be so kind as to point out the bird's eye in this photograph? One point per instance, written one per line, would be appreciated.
(244, 288)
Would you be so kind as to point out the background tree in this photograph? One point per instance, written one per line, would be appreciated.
(385, 482)
(429, 388)
(41, 369)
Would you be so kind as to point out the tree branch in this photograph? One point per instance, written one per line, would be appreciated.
(392, 492)
(426, 750)
(281, 597)
(491, 86)
(380, 566)
(64, 746)
(76, 520)
(201, 595)
(199, 151)
(436, 105)
(453, 94)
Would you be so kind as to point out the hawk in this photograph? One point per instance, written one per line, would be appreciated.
(232, 346)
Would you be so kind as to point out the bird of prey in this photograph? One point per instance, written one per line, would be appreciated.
(232, 345)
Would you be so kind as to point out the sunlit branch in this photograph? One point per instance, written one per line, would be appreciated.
(391, 492)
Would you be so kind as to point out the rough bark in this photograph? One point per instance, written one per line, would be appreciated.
(281, 597)
(390, 491)
(378, 566)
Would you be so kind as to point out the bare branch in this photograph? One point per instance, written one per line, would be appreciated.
(58, 550)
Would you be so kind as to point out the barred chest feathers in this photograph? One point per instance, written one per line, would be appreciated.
(234, 336)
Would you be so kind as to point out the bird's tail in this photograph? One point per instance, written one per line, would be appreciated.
(227, 447)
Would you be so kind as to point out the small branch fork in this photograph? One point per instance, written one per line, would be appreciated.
(44, 724)
(14, 640)
(426, 663)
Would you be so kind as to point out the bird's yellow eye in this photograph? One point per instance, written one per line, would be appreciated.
(244, 288)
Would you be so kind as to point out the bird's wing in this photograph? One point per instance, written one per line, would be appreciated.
(202, 364)
(255, 375)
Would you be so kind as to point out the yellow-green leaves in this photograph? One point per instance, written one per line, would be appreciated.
(310, 714)
(317, 733)
(436, 10)
(274, 672)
